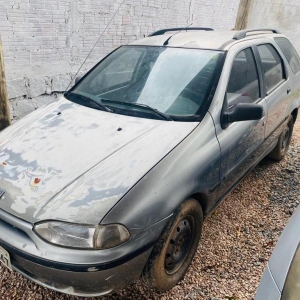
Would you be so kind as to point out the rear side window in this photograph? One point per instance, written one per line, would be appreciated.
(243, 86)
(290, 53)
(272, 66)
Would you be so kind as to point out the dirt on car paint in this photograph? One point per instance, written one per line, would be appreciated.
(237, 240)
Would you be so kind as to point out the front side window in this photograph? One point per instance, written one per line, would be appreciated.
(290, 53)
(272, 66)
(174, 81)
(243, 86)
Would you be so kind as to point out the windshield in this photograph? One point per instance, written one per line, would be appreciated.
(173, 81)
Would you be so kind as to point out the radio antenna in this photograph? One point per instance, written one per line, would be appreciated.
(96, 43)
(183, 29)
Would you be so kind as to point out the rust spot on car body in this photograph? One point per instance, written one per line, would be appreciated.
(37, 180)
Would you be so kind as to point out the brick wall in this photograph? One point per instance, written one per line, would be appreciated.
(279, 14)
(45, 41)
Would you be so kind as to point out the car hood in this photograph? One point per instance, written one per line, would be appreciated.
(72, 163)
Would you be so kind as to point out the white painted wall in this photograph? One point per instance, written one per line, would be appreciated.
(45, 41)
(279, 14)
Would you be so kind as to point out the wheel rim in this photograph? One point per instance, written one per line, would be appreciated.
(286, 138)
(179, 245)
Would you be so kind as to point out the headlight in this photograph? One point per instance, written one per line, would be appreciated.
(82, 236)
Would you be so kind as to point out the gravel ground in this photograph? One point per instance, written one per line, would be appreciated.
(237, 240)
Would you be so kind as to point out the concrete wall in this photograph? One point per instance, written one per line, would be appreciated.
(280, 14)
(46, 40)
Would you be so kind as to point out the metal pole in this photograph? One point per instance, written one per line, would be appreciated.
(4, 102)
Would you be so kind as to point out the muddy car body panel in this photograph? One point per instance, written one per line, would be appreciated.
(47, 177)
(107, 158)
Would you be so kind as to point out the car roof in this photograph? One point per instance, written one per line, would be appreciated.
(202, 39)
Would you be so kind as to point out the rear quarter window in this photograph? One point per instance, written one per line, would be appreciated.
(290, 53)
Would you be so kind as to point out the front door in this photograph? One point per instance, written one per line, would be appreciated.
(240, 142)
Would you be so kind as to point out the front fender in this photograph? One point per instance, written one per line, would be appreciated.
(192, 167)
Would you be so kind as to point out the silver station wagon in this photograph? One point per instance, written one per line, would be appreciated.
(113, 181)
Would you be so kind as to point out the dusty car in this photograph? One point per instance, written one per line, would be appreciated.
(113, 182)
(281, 278)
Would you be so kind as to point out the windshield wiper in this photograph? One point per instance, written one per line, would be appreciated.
(85, 98)
(140, 105)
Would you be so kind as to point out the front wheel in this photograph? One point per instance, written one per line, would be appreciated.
(282, 146)
(175, 248)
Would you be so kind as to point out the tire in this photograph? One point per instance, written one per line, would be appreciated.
(176, 247)
(282, 146)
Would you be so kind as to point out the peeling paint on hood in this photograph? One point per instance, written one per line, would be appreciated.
(73, 163)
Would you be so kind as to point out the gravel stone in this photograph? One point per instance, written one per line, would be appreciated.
(237, 241)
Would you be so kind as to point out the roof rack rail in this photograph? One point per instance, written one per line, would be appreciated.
(163, 31)
(243, 33)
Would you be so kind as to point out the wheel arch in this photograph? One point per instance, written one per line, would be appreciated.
(295, 114)
(202, 200)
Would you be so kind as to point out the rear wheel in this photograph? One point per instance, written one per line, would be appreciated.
(175, 248)
(282, 146)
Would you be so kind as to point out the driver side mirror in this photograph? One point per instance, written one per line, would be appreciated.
(242, 112)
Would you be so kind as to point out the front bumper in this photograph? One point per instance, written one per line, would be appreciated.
(87, 283)
(72, 271)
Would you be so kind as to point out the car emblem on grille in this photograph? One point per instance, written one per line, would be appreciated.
(1, 193)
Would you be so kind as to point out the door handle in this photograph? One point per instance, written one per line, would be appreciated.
(289, 90)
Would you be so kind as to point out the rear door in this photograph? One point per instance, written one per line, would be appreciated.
(293, 60)
(278, 87)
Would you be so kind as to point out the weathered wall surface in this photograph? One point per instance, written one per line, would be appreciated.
(46, 40)
(279, 14)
